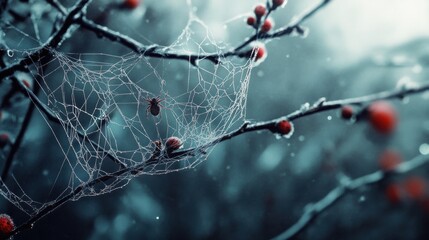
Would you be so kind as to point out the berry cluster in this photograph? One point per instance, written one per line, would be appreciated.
(413, 188)
(261, 15)
(261, 22)
(380, 114)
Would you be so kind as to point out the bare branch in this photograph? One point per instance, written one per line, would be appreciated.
(85, 186)
(18, 140)
(320, 106)
(149, 51)
(53, 42)
(155, 52)
(315, 209)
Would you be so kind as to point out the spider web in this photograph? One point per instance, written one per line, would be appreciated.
(100, 101)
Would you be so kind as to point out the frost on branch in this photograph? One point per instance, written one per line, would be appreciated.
(96, 94)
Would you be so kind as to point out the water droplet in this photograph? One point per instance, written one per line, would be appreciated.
(301, 138)
(10, 53)
(260, 73)
(157, 217)
(424, 149)
(329, 117)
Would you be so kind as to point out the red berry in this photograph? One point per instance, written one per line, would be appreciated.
(277, 3)
(132, 3)
(347, 112)
(393, 193)
(173, 144)
(266, 26)
(6, 225)
(382, 116)
(251, 21)
(284, 127)
(260, 11)
(259, 52)
(389, 159)
(4, 139)
(415, 187)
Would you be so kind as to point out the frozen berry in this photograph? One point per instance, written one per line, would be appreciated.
(347, 112)
(259, 52)
(389, 159)
(132, 3)
(266, 26)
(6, 225)
(284, 127)
(415, 187)
(251, 21)
(393, 193)
(260, 11)
(382, 116)
(278, 3)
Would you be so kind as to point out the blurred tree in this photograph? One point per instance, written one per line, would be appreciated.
(77, 120)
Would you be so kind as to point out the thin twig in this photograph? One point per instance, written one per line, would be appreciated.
(315, 209)
(19, 138)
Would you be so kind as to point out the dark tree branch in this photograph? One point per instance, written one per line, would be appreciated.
(294, 25)
(319, 106)
(53, 118)
(155, 52)
(75, 17)
(85, 186)
(19, 138)
(314, 210)
(158, 158)
(53, 42)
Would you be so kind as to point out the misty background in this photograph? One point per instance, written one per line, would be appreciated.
(255, 186)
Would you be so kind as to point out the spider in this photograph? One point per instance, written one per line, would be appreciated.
(154, 105)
